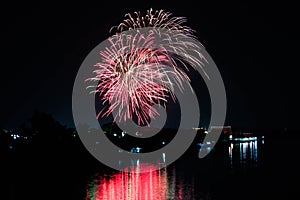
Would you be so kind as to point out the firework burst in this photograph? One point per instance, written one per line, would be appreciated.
(133, 75)
(157, 19)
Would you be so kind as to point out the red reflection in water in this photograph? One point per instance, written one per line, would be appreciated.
(134, 186)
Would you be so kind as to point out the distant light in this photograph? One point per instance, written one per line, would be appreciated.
(135, 150)
(163, 143)
(138, 149)
(115, 134)
(246, 139)
(123, 133)
(206, 132)
(230, 136)
(200, 144)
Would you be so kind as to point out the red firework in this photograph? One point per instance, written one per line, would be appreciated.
(132, 75)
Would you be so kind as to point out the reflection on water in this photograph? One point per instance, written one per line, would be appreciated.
(243, 152)
(155, 184)
(165, 184)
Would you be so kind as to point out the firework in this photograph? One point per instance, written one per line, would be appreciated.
(132, 75)
(156, 19)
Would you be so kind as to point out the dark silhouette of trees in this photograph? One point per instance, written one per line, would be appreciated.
(44, 126)
(40, 131)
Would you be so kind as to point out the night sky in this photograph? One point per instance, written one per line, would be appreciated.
(254, 46)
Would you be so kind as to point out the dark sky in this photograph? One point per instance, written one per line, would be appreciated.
(254, 44)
